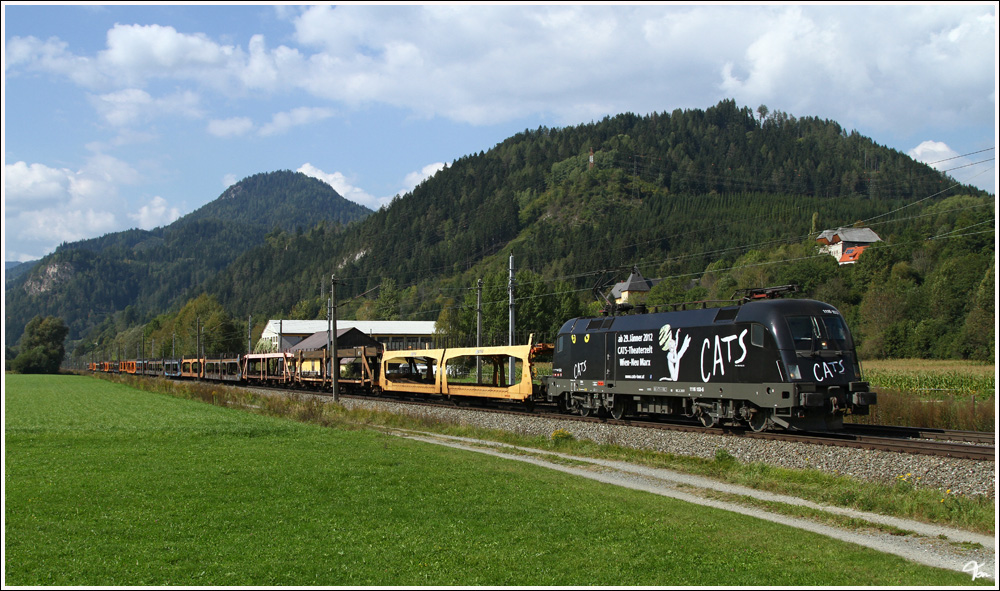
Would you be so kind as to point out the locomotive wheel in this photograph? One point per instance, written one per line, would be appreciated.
(759, 420)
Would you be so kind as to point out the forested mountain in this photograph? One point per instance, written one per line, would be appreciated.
(283, 200)
(148, 271)
(14, 269)
(708, 200)
(705, 201)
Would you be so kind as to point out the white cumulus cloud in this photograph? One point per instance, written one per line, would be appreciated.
(935, 154)
(415, 178)
(137, 52)
(974, 169)
(234, 126)
(155, 213)
(489, 64)
(133, 105)
(282, 122)
(344, 187)
(34, 184)
(45, 206)
(349, 191)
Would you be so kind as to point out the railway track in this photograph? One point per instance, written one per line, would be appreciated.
(971, 445)
(977, 446)
(977, 437)
(947, 449)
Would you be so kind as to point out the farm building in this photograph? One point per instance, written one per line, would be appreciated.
(846, 244)
(392, 334)
(635, 285)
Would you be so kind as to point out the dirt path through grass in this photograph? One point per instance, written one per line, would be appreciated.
(923, 543)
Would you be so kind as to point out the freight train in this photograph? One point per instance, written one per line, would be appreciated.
(762, 362)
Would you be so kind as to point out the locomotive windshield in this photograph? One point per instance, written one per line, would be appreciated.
(820, 333)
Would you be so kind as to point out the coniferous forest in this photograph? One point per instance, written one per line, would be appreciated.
(703, 201)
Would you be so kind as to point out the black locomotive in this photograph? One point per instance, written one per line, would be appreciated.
(765, 362)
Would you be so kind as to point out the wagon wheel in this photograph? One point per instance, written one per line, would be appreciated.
(620, 408)
(706, 420)
(759, 420)
(584, 411)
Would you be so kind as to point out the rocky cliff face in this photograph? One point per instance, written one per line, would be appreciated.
(47, 278)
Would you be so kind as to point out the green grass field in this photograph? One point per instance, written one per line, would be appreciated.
(108, 485)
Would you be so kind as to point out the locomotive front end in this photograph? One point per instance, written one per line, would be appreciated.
(820, 361)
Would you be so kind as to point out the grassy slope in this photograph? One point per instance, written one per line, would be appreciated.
(106, 485)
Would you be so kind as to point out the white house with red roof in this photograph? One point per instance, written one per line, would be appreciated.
(846, 244)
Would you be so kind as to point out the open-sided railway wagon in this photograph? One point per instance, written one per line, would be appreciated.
(497, 373)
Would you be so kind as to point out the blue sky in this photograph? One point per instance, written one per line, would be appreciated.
(130, 116)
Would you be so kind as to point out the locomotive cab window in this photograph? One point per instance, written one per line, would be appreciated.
(819, 333)
(757, 335)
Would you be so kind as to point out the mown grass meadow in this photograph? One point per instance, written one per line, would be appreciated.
(109, 485)
(903, 496)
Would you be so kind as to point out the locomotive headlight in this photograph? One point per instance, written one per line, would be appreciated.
(793, 371)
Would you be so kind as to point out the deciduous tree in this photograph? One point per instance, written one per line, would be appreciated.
(42, 346)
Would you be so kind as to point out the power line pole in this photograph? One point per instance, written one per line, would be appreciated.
(479, 329)
(510, 336)
(334, 359)
(329, 338)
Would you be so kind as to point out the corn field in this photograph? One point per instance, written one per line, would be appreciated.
(932, 394)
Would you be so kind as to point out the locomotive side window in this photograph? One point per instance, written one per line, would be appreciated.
(757, 335)
(561, 343)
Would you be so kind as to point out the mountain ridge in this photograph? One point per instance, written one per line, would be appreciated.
(152, 270)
